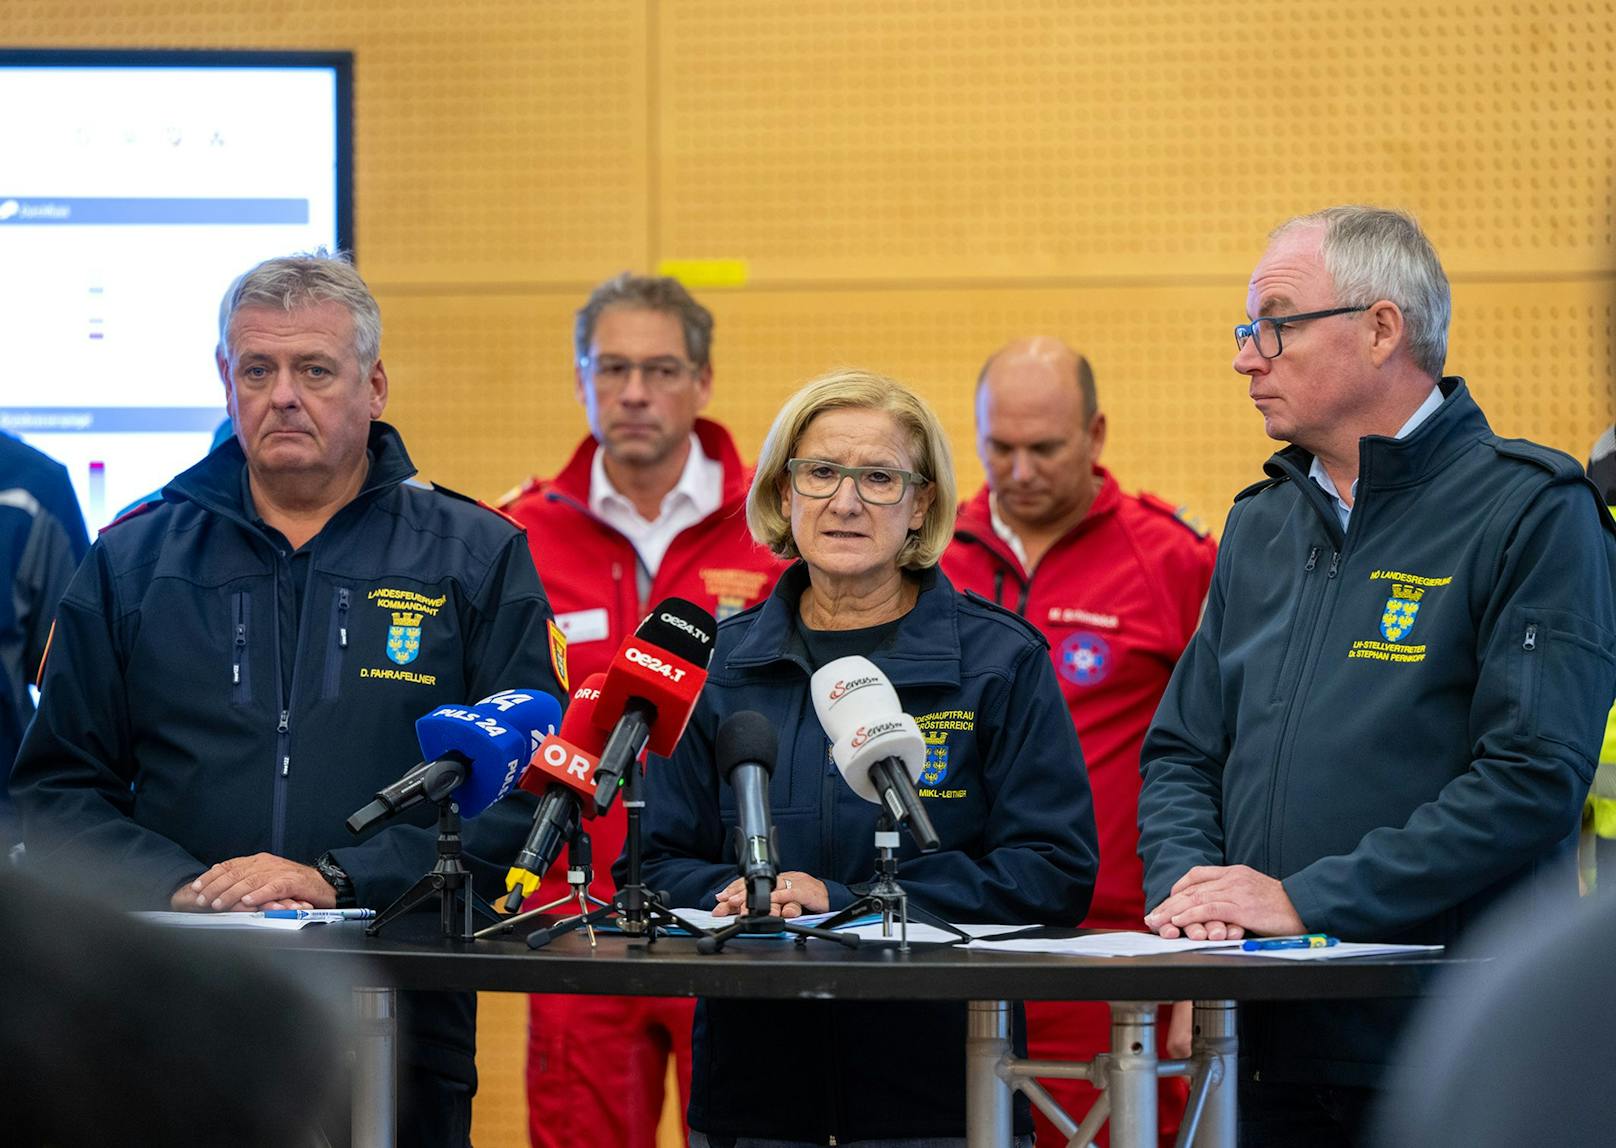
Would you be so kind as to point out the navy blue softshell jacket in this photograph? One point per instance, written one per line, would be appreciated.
(1400, 720)
(42, 541)
(165, 742)
(1010, 799)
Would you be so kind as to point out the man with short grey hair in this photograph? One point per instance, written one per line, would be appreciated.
(1391, 711)
(239, 666)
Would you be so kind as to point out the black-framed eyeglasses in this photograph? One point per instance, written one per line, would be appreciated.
(612, 372)
(1270, 343)
(876, 485)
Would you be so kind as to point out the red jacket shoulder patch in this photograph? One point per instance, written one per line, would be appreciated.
(133, 512)
(1179, 514)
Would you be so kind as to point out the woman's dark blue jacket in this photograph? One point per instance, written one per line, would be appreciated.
(1005, 786)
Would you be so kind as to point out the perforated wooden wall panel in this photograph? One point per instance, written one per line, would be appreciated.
(481, 384)
(836, 139)
(1180, 423)
(1538, 357)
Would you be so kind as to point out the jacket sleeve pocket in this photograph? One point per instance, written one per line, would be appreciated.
(1565, 665)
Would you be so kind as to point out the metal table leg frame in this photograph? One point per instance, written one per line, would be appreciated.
(1131, 1074)
(1021, 1076)
(1210, 1118)
(375, 1072)
(987, 1095)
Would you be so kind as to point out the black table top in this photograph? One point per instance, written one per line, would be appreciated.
(410, 955)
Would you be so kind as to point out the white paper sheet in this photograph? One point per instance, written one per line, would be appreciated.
(1099, 945)
(223, 921)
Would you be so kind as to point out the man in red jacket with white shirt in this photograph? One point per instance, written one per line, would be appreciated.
(1115, 582)
(651, 505)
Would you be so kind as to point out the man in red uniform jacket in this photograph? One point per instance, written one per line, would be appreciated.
(651, 505)
(1115, 582)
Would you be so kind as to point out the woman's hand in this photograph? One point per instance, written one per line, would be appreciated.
(794, 894)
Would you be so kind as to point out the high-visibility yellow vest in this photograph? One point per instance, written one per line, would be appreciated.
(1601, 809)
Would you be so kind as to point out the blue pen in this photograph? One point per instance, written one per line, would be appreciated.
(319, 914)
(1305, 941)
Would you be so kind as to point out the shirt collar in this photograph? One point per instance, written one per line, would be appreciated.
(1006, 535)
(1321, 476)
(700, 484)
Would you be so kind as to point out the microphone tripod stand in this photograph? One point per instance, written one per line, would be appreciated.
(887, 897)
(641, 912)
(449, 881)
(765, 924)
(580, 875)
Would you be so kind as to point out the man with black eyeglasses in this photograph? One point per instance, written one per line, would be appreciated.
(1391, 711)
(651, 505)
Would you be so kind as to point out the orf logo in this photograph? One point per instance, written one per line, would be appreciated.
(404, 638)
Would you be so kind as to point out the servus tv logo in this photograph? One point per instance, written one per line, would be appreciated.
(848, 685)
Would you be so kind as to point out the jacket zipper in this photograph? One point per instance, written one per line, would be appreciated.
(1296, 624)
(1276, 780)
(1529, 642)
(240, 679)
(283, 732)
(287, 701)
(625, 597)
(339, 643)
(998, 590)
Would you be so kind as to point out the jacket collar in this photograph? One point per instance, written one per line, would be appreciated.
(975, 519)
(716, 443)
(1386, 463)
(215, 483)
(926, 650)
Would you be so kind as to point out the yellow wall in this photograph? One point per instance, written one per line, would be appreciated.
(912, 182)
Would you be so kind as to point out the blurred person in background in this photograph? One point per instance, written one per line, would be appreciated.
(1599, 814)
(42, 541)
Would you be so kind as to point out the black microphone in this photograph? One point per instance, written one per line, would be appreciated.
(553, 823)
(560, 773)
(745, 749)
(898, 794)
(650, 689)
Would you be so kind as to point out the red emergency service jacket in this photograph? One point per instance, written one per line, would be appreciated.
(589, 574)
(1118, 597)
